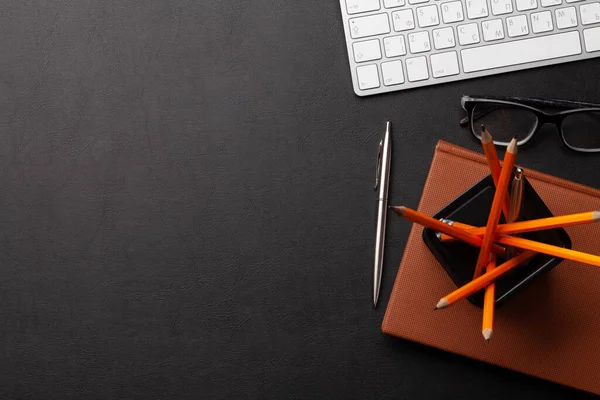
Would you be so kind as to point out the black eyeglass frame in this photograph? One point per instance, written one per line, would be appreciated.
(542, 117)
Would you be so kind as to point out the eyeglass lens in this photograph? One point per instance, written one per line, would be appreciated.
(581, 130)
(503, 121)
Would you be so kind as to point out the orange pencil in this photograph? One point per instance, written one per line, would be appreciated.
(477, 284)
(499, 196)
(555, 251)
(487, 326)
(531, 225)
(491, 156)
(439, 226)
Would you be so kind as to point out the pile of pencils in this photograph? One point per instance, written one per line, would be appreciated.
(494, 236)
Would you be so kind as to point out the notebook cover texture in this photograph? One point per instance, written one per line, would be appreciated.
(550, 330)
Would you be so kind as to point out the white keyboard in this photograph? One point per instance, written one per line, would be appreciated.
(402, 44)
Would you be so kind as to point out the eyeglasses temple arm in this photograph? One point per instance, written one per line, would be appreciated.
(477, 115)
(540, 102)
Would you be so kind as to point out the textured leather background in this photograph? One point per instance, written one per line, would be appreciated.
(186, 204)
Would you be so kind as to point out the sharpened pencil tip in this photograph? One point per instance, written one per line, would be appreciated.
(485, 135)
(443, 303)
(487, 334)
(400, 210)
(596, 215)
(512, 147)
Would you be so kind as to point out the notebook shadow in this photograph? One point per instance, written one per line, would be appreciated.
(461, 366)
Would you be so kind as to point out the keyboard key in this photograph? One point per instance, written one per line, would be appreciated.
(492, 30)
(444, 64)
(416, 69)
(392, 73)
(590, 13)
(468, 34)
(521, 51)
(369, 26)
(517, 26)
(403, 20)
(592, 39)
(366, 51)
(358, 6)
(541, 22)
(397, 44)
(393, 3)
(477, 9)
(361, 6)
(428, 16)
(550, 3)
(368, 77)
(452, 12)
(419, 42)
(443, 38)
(524, 5)
(500, 7)
(394, 46)
(566, 17)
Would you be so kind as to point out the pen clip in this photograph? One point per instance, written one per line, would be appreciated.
(378, 167)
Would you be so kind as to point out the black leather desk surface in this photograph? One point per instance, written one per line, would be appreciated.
(186, 204)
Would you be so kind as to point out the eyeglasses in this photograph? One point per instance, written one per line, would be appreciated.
(507, 117)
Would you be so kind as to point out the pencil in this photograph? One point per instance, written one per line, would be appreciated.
(487, 326)
(499, 196)
(562, 221)
(477, 284)
(489, 149)
(438, 226)
(555, 251)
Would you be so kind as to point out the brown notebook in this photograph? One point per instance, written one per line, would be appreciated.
(550, 330)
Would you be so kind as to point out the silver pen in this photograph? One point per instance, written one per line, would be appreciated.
(516, 201)
(382, 182)
(516, 196)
